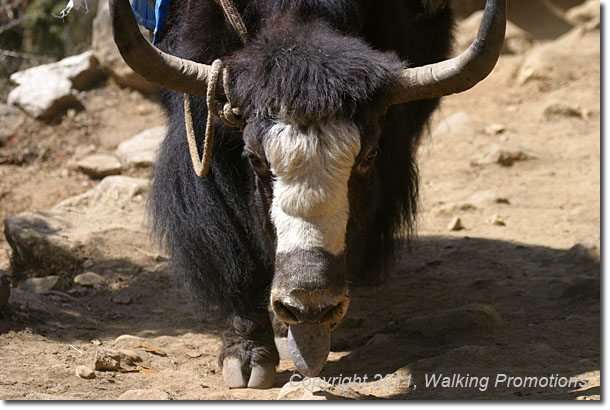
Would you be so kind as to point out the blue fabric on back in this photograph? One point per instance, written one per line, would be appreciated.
(151, 18)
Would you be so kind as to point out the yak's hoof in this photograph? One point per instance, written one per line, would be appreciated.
(237, 375)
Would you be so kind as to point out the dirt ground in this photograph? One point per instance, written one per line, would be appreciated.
(515, 291)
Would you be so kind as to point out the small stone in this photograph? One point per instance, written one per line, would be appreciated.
(504, 156)
(40, 284)
(129, 357)
(5, 289)
(585, 250)
(99, 165)
(85, 372)
(495, 129)
(122, 299)
(107, 360)
(496, 220)
(455, 224)
(556, 109)
(297, 391)
(96, 342)
(144, 394)
(90, 279)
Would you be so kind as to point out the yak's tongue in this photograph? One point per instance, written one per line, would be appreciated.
(309, 344)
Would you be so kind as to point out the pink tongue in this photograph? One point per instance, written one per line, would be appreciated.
(309, 345)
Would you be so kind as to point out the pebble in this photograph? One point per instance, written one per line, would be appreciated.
(144, 394)
(89, 279)
(122, 299)
(504, 156)
(556, 109)
(85, 372)
(40, 284)
(297, 391)
(455, 224)
(107, 360)
(496, 220)
(5, 289)
(495, 129)
(126, 337)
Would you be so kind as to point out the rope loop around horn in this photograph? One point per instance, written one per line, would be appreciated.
(225, 112)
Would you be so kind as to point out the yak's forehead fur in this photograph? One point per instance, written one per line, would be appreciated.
(308, 71)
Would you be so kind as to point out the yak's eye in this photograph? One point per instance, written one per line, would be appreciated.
(369, 158)
(259, 165)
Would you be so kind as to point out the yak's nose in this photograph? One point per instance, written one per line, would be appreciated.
(309, 287)
(304, 307)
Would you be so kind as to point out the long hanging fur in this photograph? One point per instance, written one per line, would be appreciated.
(212, 226)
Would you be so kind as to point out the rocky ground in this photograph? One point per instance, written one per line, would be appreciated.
(503, 278)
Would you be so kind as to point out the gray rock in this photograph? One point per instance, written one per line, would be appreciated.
(107, 360)
(40, 284)
(11, 119)
(99, 165)
(140, 150)
(122, 299)
(81, 70)
(144, 394)
(5, 289)
(502, 155)
(470, 317)
(107, 53)
(85, 372)
(555, 109)
(89, 279)
(105, 223)
(44, 96)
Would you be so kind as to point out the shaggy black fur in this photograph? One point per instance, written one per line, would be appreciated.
(316, 59)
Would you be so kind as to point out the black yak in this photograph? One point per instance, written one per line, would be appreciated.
(309, 192)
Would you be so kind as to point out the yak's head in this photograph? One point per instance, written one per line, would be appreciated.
(312, 99)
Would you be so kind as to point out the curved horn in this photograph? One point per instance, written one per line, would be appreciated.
(151, 63)
(462, 72)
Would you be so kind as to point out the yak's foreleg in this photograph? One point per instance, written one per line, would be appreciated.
(249, 355)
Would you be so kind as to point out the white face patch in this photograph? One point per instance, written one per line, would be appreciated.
(312, 167)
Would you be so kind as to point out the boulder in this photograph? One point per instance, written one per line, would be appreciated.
(140, 150)
(103, 224)
(46, 89)
(108, 56)
(81, 70)
(44, 96)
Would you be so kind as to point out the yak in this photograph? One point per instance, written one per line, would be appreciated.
(314, 179)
